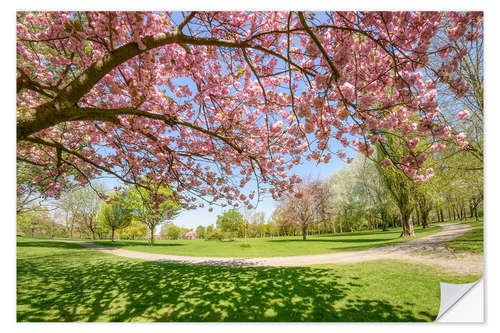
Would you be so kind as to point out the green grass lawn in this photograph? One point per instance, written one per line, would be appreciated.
(66, 282)
(472, 241)
(272, 247)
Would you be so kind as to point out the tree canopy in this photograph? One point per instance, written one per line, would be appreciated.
(115, 215)
(152, 206)
(230, 220)
(210, 100)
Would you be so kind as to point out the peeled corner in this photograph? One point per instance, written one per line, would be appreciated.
(462, 303)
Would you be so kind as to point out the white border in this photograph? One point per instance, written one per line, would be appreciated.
(492, 18)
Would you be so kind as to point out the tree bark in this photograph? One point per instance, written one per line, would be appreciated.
(304, 231)
(246, 233)
(407, 224)
(425, 218)
(112, 234)
(152, 236)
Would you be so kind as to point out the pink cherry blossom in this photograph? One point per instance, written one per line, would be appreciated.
(463, 114)
(460, 136)
(226, 98)
(437, 146)
(386, 163)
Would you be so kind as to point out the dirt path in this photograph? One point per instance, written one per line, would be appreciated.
(426, 250)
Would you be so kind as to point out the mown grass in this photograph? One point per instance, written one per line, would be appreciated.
(65, 282)
(272, 247)
(472, 241)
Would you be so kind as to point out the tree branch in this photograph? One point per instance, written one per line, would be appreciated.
(186, 21)
(318, 44)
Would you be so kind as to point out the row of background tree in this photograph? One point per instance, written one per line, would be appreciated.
(364, 196)
(128, 214)
(361, 196)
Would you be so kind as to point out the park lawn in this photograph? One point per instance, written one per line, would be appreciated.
(472, 241)
(66, 282)
(271, 247)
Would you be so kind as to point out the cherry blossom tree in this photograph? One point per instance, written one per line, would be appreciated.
(205, 102)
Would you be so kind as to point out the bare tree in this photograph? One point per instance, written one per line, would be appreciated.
(299, 207)
(80, 207)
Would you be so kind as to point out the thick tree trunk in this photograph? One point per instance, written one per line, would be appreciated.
(304, 231)
(407, 226)
(384, 221)
(112, 234)
(152, 236)
(425, 217)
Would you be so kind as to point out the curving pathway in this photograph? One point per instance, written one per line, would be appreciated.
(427, 250)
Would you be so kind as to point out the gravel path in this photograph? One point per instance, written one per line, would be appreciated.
(426, 250)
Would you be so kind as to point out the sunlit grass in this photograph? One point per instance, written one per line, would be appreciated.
(272, 247)
(66, 282)
(472, 241)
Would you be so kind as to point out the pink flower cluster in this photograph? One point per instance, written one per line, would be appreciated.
(463, 114)
(236, 117)
(190, 234)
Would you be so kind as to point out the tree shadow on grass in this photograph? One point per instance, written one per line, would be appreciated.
(48, 244)
(358, 233)
(135, 243)
(396, 232)
(88, 286)
(353, 240)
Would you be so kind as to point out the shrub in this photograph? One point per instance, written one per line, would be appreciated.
(216, 234)
(229, 235)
